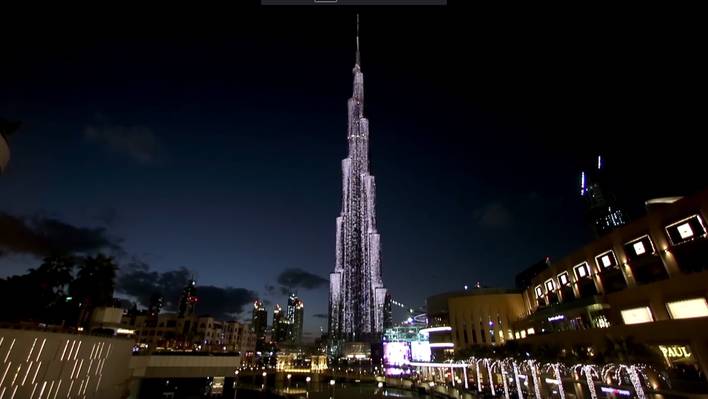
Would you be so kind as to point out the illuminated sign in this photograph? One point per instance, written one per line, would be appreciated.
(606, 259)
(556, 317)
(639, 248)
(420, 351)
(563, 278)
(674, 352)
(685, 230)
(550, 285)
(616, 391)
(396, 353)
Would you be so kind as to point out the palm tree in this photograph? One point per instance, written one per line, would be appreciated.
(94, 284)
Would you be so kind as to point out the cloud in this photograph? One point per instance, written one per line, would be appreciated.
(295, 278)
(320, 316)
(137, 142)
(42, 236)
(137, 280)
(493, 215)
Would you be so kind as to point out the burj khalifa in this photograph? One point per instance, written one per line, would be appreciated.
(357, 293)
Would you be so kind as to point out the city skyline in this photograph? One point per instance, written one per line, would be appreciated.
(470, 158)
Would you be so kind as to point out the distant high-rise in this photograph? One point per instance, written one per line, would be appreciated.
(280, 325)
(297, 321)
(156, 303)
(188, 300)
(357, 293)
(388, 312)
(259, 323)
(603, 214)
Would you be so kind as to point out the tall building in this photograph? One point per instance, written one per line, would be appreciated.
(188, 300)
(603, 213)
(297, 321)
(357, 294)
(259, 323)
(280, 324)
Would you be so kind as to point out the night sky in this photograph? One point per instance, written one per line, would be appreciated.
(212, 140)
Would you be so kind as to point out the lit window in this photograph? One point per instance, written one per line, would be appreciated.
(582, 270)
(539, 291)
(606, 259)
(686, 230)
(530, 331)
(517, 335)
(637, 315)
(639, 248)
(523, 334)
(688, 308)
(550, 285)
(563, 278)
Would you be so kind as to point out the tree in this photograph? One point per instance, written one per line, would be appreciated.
(94, 284)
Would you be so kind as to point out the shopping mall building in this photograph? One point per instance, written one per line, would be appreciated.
(646, 281)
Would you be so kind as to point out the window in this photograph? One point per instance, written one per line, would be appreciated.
(688, 308)
(637, 315)
(582, 270)
(606, 259)
(539, 291)
(530, 331)
(639, 247)
(550, 285)
(563, 278)
(686, 230)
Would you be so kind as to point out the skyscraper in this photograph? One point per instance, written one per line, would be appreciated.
(357, 294)
(259, 323)
(295, 319)
(296, 324)
(188, 300)
(603, 214)
(280, 325)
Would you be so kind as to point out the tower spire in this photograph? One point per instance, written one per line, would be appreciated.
(358, 56)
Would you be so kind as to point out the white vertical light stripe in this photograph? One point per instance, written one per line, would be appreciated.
(103, 361)
(2, 339)
(81, 386)
(9, 350)
(80, 366)
(14, 391)
(68, 393)
(86, 385)
(73, 343)
(5, 373)
(98, 383)
(2, 394)
(33, 389)
(17, 372)
(41, 391)
(49, 393)
(24, 379)
(78, 348)
(73, 369)
(57, 391)
(88, 369)
(36, 371)
(63, 352)
(41, 348)
(31, 349)
(108, 352)
(100, 349)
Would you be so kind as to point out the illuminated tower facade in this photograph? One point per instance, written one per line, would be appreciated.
(602, 212)
(357, 294)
